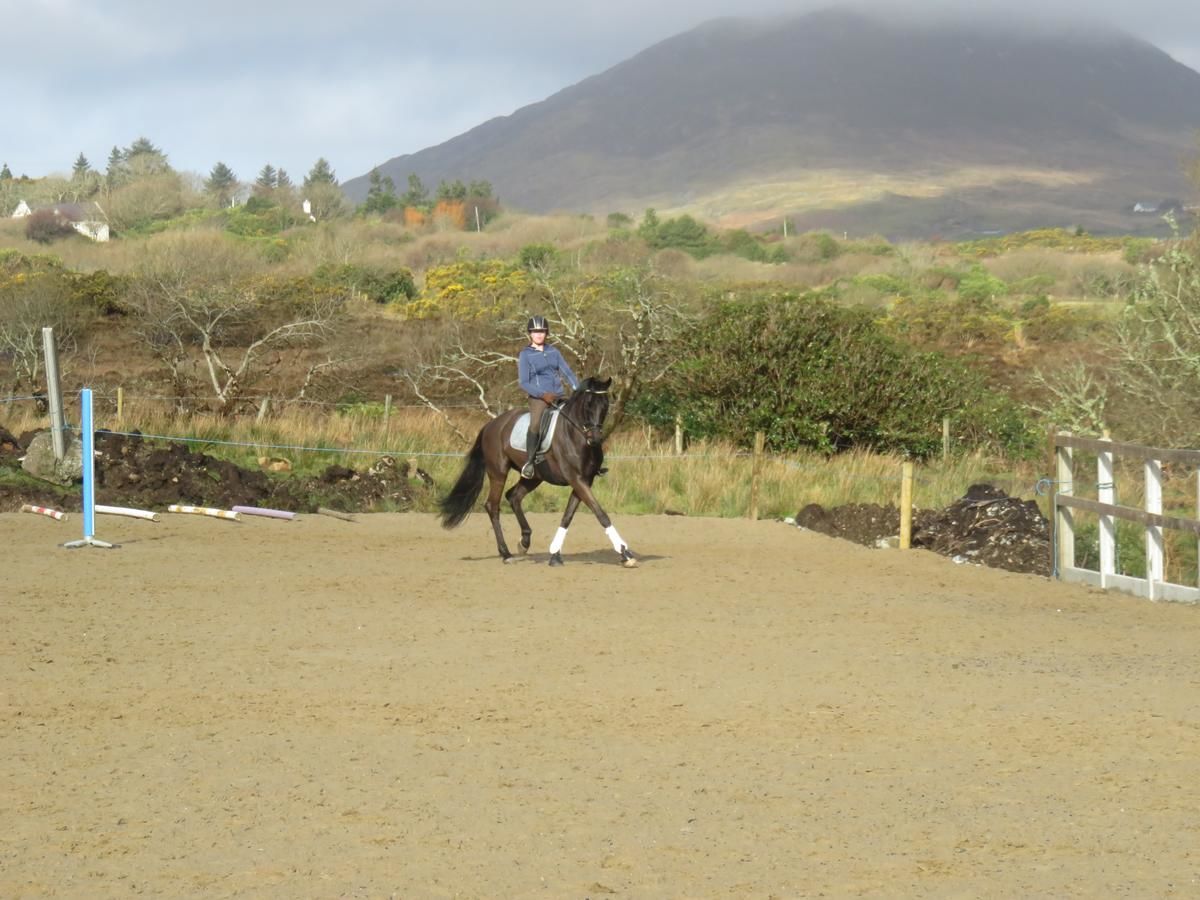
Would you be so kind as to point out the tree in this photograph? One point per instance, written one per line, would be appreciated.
(81, 169)
(144, 159)
(5, 173)
(326, 201)
(417, 194)
(320, 173)
(198, 306)
(1156, 348)
(32, 297)
(117, 171)
(455, 190)
(381, 194)
(267, 180)
(221, 184)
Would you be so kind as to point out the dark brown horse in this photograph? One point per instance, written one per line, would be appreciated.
(573, 460)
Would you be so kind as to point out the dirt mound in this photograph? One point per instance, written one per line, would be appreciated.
(132, 472)
(985, 526)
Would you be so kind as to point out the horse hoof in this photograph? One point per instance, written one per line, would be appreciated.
(556, 559)
(628, 560)
(508, 560)
(522, 549)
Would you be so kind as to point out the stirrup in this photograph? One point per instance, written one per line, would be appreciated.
(529, 470)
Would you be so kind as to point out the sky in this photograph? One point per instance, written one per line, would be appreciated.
(358, 82)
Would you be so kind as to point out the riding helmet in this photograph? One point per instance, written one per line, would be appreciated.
(537, 323)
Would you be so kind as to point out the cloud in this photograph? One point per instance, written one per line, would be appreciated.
(366, 80)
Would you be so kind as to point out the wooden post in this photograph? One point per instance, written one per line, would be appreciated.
(755, 473)
(1064, 521)
(945, 437)
(1106, 493)
(120, 404)
(387, 415)
(1154, 533)
(679, 434)
(906, 491)
(262, 410)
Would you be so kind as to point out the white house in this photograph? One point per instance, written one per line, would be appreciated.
(86, 218)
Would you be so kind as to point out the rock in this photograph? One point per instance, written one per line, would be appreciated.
(40, 462)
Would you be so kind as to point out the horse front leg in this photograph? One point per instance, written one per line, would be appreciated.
(560, 536)
(495, 488)
(515, 495)
(584, 490)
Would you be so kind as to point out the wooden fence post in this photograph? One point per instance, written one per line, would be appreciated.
(387, 415)
(906, 491)
(755, 473)
(1064, 520)
(1154, 533)
(945, 437)
(120, 404)
(262, 410)
(1106, 493)
(679, 434)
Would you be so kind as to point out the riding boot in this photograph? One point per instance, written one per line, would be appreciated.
(532, 440)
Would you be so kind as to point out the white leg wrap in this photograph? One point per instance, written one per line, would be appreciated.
(559, 537)
(617, 543)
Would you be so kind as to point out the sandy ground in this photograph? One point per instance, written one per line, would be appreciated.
(380, 708)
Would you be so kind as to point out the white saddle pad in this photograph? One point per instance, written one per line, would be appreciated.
(520, 432)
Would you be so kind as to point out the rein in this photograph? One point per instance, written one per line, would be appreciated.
(592, 434)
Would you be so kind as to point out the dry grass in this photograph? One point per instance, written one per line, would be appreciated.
(710, 479)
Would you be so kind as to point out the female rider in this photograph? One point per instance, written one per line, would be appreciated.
(540, 369)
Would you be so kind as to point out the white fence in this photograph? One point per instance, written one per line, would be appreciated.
(1151, 516)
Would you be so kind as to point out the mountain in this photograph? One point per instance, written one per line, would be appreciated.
(841, 119)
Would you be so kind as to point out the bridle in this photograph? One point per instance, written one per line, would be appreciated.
(592, 434)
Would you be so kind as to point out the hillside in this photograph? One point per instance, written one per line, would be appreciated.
(839, 120)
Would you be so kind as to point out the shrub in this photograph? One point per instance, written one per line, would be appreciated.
(45, 226)
(810, 374)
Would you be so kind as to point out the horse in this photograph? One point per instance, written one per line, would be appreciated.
(574, 459)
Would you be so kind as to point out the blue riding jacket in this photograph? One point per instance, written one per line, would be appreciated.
(540, 371)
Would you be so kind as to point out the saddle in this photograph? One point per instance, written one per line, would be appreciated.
(518, 440)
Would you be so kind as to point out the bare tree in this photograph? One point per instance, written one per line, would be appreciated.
(1157, 349)
(29, 302)
(619, 323)
(200, 311)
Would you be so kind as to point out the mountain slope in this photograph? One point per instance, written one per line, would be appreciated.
(835, 109)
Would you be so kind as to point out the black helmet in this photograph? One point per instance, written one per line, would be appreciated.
(537, 323)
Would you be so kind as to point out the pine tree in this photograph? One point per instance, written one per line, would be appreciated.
(381, 195)
(283, 179)
(5, 173)
(321, 173)
(117, 173)
(266, 181)
(143, 158)
(417, 194)
(82, 167)
(221, 184)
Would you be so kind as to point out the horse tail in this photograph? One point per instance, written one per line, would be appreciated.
(457, 505)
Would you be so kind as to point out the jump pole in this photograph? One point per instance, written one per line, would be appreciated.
(86, 441)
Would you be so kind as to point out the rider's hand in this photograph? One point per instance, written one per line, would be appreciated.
(549, 399)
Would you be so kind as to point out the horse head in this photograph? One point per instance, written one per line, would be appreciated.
(587, 408)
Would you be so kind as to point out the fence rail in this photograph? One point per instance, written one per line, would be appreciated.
(1154, 585)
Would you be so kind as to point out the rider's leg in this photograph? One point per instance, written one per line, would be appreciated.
(536, 407)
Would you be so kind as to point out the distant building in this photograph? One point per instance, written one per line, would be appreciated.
(86, 218)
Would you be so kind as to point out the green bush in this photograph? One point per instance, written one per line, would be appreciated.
(810, 374)
(981, 286)
(376, 284)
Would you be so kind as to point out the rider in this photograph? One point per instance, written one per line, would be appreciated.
(539, 368)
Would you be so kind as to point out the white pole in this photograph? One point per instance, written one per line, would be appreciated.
(1106, 493)
(1154, 533)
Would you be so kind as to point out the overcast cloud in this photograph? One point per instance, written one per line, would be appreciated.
(361, 81)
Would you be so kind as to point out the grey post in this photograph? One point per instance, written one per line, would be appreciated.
(58, 425)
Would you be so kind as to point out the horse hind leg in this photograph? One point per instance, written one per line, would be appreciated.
(492, 505)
